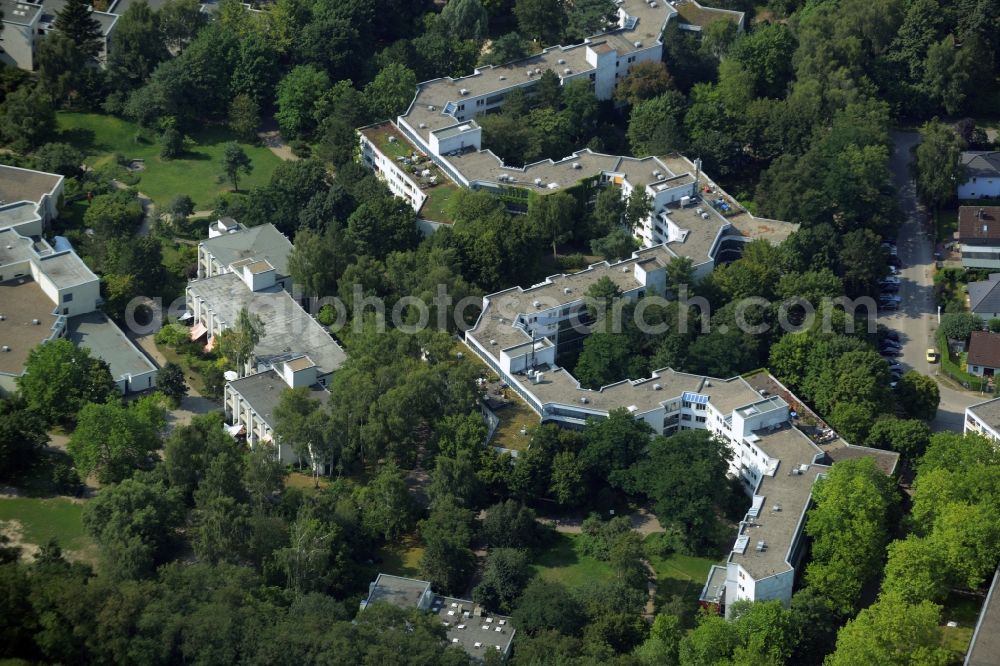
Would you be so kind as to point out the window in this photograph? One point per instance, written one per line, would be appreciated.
(700, 407)
(461, 107)
(687, 404)
(67, 298)
(480, 102)
(699, 419)
(685, 417)
(593, 77)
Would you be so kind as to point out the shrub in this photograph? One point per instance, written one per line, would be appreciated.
(300, 148)
(171, 143)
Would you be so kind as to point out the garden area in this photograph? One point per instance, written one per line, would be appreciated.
(203, 370)
(197, 171)
(31, 522)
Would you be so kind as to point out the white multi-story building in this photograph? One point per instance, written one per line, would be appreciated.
(521, 332)
(26, 22)
(47, 291)
(229, 242)
(440, 126)
(983, 418)
(250, 402)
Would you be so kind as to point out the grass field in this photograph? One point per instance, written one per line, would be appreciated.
(197, 172)
(401, 559)
(563, 562)
(681, 575)
(43, 519)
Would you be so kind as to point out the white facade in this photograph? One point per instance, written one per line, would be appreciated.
(984, 419)
(400, 182)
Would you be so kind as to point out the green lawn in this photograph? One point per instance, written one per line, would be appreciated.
(197, 173)
(402, 559)
(438, 200)
(564, 563)
(42, 519)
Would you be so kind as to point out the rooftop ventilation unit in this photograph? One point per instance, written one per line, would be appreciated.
(537, 379)
(699, 211)
(493, 342)
(562, 61)
(761, 546)
(537, 304)
(503, 78)
(430, 107)
(653, 4)
(538, 70)
(576, 165)
(530, 73)
(657, 387)
(704, 216)
(567, 71)
(6, 348)
(538, 181)
(637, 44)
(423, 125)
(584, 400)
(708, 383)
(566, 290)
(35, 322)
(463, 91)
(2, 317)
(657, 174)
(624, 269)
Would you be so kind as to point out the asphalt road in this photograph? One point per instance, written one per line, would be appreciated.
(916, 320)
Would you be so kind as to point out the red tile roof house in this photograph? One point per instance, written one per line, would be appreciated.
(984, 353)
(979, 236)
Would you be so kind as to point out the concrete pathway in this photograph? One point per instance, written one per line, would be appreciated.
(643, 522)
(273, 140)
(192, 404)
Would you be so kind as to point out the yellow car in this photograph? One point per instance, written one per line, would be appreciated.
(932, 355)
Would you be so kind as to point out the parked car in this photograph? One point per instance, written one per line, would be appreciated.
(932, 355)
(892, 279)
(891, 335)
(891, 352)
(883, 347)
(889, 289)
(895, 261)
(893, 270)
(888, 305)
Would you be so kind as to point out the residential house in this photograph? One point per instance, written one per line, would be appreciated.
(467, 624)
(979, 236)
(250, 401)
(984, 353)
(984, 297)
(983, 418)
(229, 242)
(289, 332)
(982, 168)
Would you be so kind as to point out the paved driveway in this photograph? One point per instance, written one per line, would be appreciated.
(916, 320)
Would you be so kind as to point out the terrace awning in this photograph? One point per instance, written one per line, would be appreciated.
(198, 330)
(211, 343)
(236, 429)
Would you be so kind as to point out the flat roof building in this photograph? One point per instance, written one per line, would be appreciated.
(984, 649)
(249, 404)
(48, 292)
(229, 242)
(439, 126)
(130, 368)
(520, 334)
(983, 418)
(467, 624)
